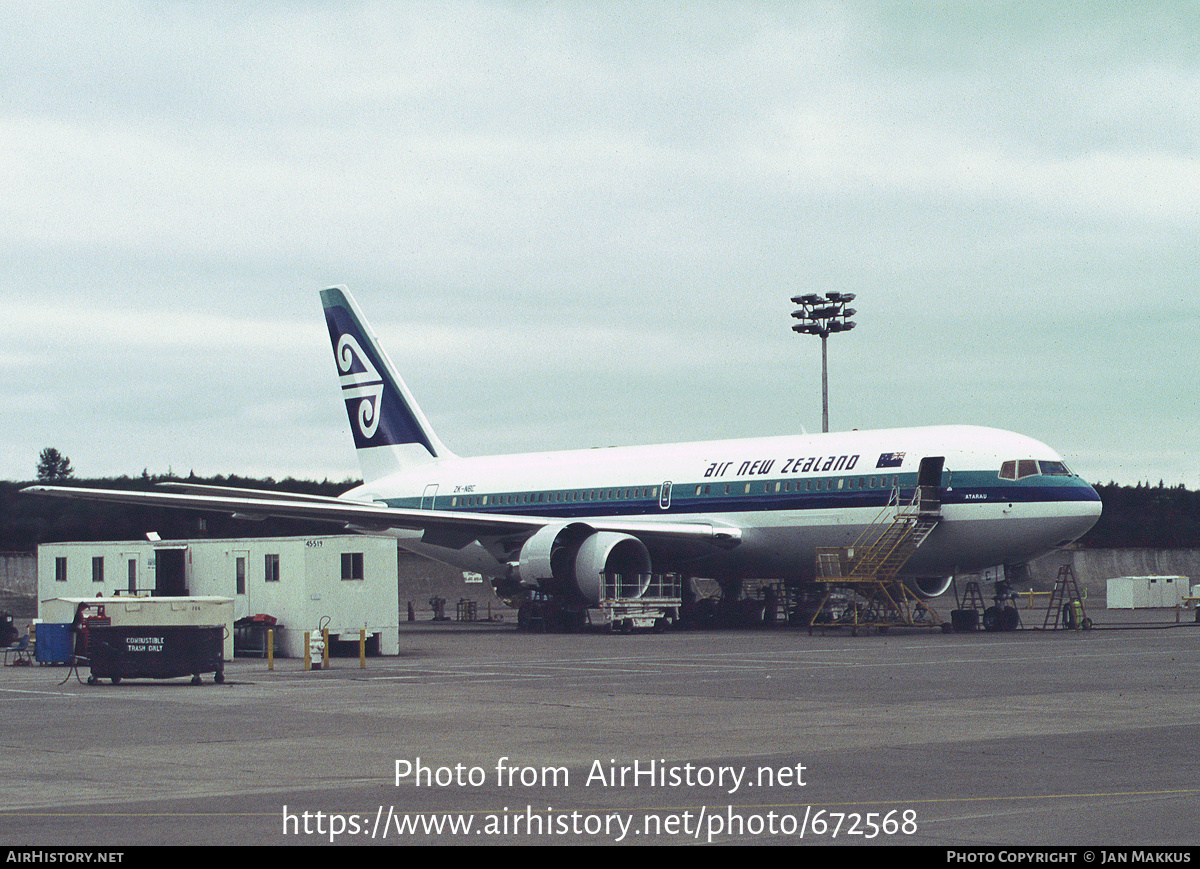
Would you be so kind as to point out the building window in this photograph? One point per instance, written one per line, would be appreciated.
(133, 576)
(352, 565)
(98, 568)
(60, 569)
(272, 568)
(240, 575)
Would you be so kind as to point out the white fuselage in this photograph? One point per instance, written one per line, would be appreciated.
(786, 495)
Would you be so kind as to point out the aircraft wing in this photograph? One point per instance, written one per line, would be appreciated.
(441, 526)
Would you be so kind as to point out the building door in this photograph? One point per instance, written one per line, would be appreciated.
(170, 572)
(241, 601)
(131, 571)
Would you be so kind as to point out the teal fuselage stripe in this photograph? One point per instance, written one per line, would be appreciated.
(963, 488)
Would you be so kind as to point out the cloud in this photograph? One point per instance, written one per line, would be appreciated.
(580, 224)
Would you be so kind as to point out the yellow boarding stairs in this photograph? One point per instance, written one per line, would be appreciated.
(864, 575)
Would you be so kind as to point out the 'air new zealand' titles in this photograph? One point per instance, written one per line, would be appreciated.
(549, 524)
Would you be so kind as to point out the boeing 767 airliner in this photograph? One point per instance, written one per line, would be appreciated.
(552, 523)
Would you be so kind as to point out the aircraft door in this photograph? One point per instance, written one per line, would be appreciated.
(929, 479)
(429, 497)
(664, 499)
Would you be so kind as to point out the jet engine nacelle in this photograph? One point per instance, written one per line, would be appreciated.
(930, 586)
(572, 560)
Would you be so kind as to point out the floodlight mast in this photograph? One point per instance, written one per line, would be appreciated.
(820, 315)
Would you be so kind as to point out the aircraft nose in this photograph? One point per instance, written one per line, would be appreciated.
(1079, 516)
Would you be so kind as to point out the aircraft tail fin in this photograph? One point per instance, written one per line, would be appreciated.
(390, 432)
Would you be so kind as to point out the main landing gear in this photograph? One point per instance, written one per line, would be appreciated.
(1001, 618)
(1002, 615)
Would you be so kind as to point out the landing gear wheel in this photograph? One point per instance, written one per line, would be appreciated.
(992, 618)
(116, 680)
(196, 679)
(92, 680)
(219, 678)
(1011, 619)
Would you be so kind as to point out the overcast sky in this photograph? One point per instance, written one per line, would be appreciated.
(578, 224)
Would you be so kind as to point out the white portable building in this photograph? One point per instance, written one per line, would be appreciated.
(1146, 592)
(346, 583)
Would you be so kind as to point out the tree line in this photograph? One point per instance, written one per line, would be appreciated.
(1146, 517)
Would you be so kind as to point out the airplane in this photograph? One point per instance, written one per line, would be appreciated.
(548, 526)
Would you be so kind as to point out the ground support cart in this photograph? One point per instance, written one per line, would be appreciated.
(654, 607)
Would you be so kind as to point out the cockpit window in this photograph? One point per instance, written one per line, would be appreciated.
(1054, 469)
(1020, 469)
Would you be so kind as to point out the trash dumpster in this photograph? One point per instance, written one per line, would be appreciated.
(119, 652)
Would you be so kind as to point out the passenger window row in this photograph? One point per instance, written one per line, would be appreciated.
(651, 492)
(576, 496)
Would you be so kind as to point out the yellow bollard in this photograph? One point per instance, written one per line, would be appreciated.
(362, 648)
(270, 648)
(307, 653)
(325, 651)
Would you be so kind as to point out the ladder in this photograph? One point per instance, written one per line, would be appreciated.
(1066, 590)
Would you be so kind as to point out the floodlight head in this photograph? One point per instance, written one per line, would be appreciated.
(809, 299)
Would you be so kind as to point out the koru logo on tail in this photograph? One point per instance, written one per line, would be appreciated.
(360, 381)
